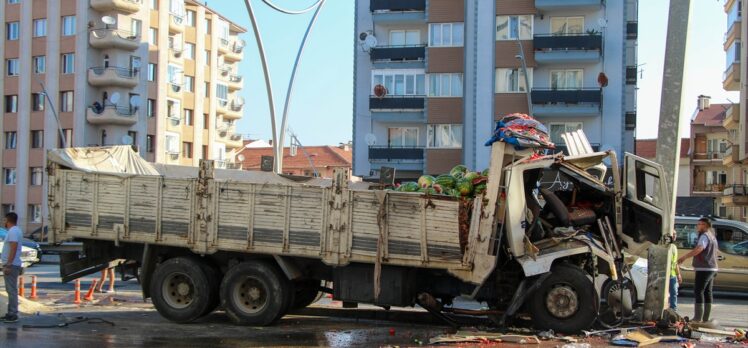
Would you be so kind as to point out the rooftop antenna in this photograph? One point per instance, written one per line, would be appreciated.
(295, 142)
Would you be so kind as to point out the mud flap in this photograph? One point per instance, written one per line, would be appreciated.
(658, 282)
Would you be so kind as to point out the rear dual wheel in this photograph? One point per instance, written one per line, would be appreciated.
(256, 293)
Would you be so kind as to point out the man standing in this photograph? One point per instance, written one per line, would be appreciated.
(11, 259)
(705, 266)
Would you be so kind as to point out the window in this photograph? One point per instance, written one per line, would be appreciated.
(11, 31)
(68, 63)
(402, 137)
(40, 27)
(222, 92)
(10, 2)
(716, 147)
(153, 36)
(206, 121)
(152, 71)
(66, 101)
(445, 85)
(68, 25)
(514, 27)
(207, 89)
(11, 103)
(151, 108)
(189, 18)
(40, 64)
(400, 82)
(187, 149)
(35, 213)
(732, 55)
(174, 74)
(446, 34)
(207, 57)
(716, 177)
(149, 143)
(36, 176)
(37, 139)
(567, 25)
(512, 80)
(731, 240)
(136, 27)
(11, 67)
(173, 109)
(189, 83)
(154, 4)
(557, 129)
(172, 143)
(206, 26)
(8, 208)
(566, 79)
(37, 102)
(205, 152)
(9, 176)
(188, 117)
(444, 135)
(189, 51)
(10, 140)
(68, 137)
(405, 37)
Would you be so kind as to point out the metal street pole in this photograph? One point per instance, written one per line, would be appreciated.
(63, 141)
(521, 57)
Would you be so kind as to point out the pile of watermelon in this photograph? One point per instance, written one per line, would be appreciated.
(459, 182)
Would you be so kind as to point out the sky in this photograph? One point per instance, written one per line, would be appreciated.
(321, 107)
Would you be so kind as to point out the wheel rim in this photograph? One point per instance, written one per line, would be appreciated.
(250, 295)
(562, 301)
(178, 290)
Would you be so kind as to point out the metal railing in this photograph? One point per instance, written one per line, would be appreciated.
(567, 96)
(406, 52)
(125, 111)
(119, 71)
(235, 78)
(632, 30)
(397, 5)
(582, 42)
(238, 46)
(236, 137)
(237, 105)
(395, 153)
(414, 102)
(736, 190)
(101, 33)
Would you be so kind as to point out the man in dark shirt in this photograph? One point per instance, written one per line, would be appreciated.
(705, 266)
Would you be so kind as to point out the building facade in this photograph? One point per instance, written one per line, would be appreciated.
(161, 75)
(647, 148)
(431, 77)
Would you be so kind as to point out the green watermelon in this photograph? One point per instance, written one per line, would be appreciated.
(485, 172)
(471, 176)
(480, 188)
(446, 180)
(458, 171)
(465, 187)
(409, 187)
(427, 190)
(426, 181)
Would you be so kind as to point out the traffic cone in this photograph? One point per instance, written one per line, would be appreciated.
(33, 288)
(89, 294)
(77, 299)
(21, 288)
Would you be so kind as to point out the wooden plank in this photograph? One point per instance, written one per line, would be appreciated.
(424, 236)
(287, 215)
(251, 213)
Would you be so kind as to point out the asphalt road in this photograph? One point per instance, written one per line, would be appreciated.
(124, 320)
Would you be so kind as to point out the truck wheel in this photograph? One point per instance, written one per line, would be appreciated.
(307, 292)
(565, 301)
(255, 293)
(180, 289)
(214, 279)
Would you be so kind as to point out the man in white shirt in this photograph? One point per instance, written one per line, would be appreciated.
(11, 260)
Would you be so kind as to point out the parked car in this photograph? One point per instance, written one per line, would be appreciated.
(31, 252)
(732, 258)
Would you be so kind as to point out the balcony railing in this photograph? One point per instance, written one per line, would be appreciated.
(411, 52)
(397, 5)
(112, 114)
(579, 42)
(632, 30)
(119, 5)
(736, 190)
(113, 38)
(567, 96)
(388, 153)
(630, 121)
(119, 71)
(566, 4)
(238, 46)
(631, 75)
(112, 76)
(406, 102)
(237, 104)
(709, 187)
(235, 78)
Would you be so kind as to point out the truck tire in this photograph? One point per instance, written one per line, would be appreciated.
(565, 301)
(307, 292)
(255, 293)
(214, 279)
(181, 289)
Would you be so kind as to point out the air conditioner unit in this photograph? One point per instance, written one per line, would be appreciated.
(174, 156)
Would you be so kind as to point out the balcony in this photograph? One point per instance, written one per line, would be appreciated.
(232, 140)
(174, 89)
(223, 45)
(398, 53)
(566, 102)
(707, 157)
(732, 117)
(224, 70)
(112, 77)
(733, 33)
(632, 74)
(630, 120)
(127, 6)
(632, 30)
(112, 115)
(222, 106)
(234, 53)
(731, 77)
(113, 38)
(398, 11)
(545, 5)
(176, 51)
(702, 189)
(732, 155)
(176, 23)
(235, 82)
(735, 195)
(410, 102)
(567, 48)
(389, 154)
(233, 111)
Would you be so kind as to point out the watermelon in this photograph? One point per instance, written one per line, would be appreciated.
(427, 190)
(471, 176)
(426, 181)
(465, 187)
(409, 187)
(438, 188)
(480, 188)
(485, 172)
(458, 171)
(446, 180)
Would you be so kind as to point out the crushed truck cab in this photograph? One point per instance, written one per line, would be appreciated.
(261, 245)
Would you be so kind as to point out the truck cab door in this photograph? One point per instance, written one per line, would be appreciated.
(646, 202)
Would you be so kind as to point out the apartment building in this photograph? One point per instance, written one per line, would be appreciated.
(431, 77)
(735, 194)
(161, 75)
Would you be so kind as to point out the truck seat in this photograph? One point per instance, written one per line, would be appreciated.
(574, 217)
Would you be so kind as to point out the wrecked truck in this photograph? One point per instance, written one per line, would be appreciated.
(260, 245)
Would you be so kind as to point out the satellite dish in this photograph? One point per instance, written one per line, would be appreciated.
(362, 36)
(114, 98)
(240, 157)
(602, 22)
(135, 100)
(127, 140)
(370, 42)
(108, 20)
(371, 139)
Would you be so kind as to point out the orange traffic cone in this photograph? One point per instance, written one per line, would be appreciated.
(89, 294)
(77, 299)
(21, 288)
(33, 288)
